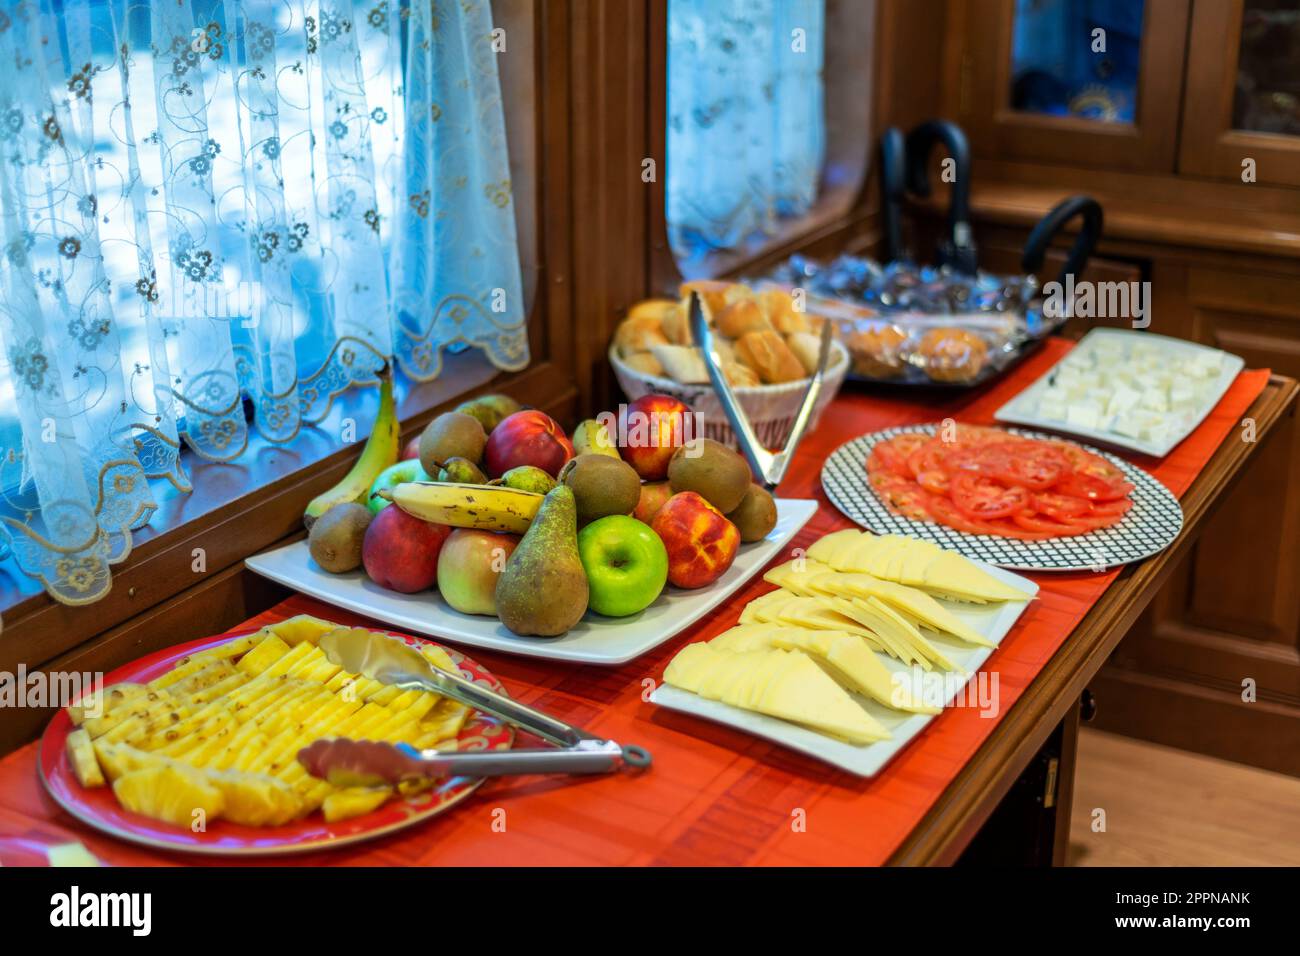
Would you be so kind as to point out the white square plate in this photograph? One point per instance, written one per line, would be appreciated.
(1020, 410)
(994, 621)
(595, 639)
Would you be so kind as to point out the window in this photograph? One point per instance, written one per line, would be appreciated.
(767, 121)
(208, 205)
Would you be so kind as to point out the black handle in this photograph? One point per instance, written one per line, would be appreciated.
(893, 188)
(1062, 213)
(958, 248)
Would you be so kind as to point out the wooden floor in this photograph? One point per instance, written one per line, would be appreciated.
(1166, 807)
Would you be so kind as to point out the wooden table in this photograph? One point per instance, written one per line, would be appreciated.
(719, 796)
(1050, 707)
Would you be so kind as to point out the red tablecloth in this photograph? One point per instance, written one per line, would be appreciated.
(714, 796)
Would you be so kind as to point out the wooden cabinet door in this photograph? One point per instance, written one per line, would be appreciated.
(1230, 613)
(1242, 52)
(979, 91)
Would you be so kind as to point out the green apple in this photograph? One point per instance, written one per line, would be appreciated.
(468, 567)
(626, 564)
(407, 470)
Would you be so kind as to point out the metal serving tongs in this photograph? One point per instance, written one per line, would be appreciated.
(398, 664)
(768, 465)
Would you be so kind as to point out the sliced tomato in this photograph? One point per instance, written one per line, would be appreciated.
(935, 481)
(945, 512)
(1092, 522)
(984, 499)
(1030, 521)
(1092, 487)
(1120, 507)
(1037, 467)
(1056, 505)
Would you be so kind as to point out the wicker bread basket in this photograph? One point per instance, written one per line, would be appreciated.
(771, 408)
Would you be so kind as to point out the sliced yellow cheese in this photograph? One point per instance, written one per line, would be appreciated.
(827, 545)
(796, 576)
(853, 662)
(911, 603)
(764, 607)
(951, 573)
(783, 684)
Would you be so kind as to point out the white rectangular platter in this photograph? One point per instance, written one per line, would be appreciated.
(994, 621)
(1023, 409)
(595, 639)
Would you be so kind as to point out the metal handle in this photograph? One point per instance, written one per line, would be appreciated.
(591, 756)
(767, 465)
(511, 711)
(346, 762)
(1056, 219)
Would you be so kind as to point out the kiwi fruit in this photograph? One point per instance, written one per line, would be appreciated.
(755, 516)
(451, 435)
(602, 485)
(335, 537)
(711, 470)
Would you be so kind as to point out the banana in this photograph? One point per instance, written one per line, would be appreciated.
(484, 507)
(380, 452)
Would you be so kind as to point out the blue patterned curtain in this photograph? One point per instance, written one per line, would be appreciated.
(746, 125)
(207, 201)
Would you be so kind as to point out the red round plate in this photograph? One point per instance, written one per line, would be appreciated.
(98, 808)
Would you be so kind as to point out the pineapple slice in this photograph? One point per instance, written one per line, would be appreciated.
(170, 793)
(255, 800)
(81, 754)
(303, 627)
(263, 655)
(354, 802)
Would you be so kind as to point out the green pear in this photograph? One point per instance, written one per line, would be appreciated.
(528, 478)
(543, 590)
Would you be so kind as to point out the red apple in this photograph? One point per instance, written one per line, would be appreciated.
(653, 496)
(701, 542)
(468, 568)
(400, 552)
(411, 450)
(649, 430)
(529, 437)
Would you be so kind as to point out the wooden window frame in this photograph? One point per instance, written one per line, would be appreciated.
(979, 93)
(1209, 145)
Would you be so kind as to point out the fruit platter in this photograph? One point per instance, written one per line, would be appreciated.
(1015, 499)
(196, 747)
(863, 641)
(496, 529)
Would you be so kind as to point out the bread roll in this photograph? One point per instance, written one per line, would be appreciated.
(768, 355)
(740, 376)
(778, 306)
(656, 308)
(712, 292)
(807, 348)
(682, 363)
(677, 325)
(877, 353)
(645, 363)
(741, 317)
(639, 333)
(951, 354)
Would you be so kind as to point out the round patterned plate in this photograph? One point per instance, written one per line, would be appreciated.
(1149, 527)
(98, 808)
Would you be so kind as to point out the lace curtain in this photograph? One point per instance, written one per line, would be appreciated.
(746, 126)
(208, 203)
